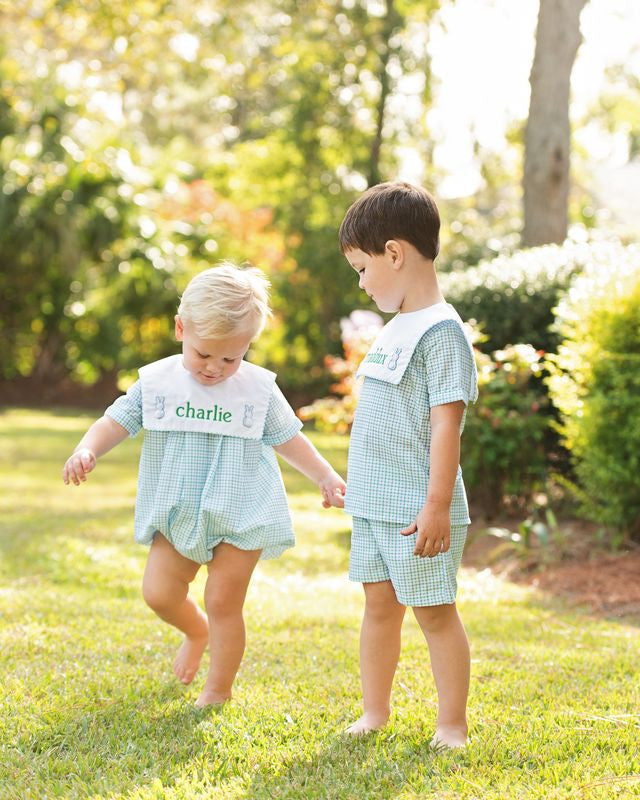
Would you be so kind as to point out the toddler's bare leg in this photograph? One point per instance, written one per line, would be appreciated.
(379, 653)
(229, 573)
(450, 664)
(165, 588)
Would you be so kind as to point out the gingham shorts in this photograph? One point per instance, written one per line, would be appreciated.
(380, 553)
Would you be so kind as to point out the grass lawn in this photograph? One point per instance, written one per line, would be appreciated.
(89, 706)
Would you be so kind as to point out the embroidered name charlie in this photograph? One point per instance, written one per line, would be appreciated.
(215, 414)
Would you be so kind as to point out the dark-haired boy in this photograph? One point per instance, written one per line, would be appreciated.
(404, 484)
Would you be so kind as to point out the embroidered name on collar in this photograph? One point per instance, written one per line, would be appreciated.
(379, 357)
(391, 352)
(376, 358)
(216, 414)
(173, 401)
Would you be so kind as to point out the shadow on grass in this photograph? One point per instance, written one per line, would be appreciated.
(52, 411)
(133, 739)
(379, 765)
(73, 542)
(48, 456)
(153, 738)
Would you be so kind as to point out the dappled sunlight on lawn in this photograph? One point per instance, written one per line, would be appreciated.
(91, 706)
(484, 586)
(325, 596)
(17, 419)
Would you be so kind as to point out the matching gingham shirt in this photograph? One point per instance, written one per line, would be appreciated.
(199, 489)
(388, 468)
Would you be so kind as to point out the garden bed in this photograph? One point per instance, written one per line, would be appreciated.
(580, 569)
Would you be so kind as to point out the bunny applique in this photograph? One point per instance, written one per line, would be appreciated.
(247, 419)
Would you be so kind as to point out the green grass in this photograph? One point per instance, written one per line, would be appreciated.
(89, 707)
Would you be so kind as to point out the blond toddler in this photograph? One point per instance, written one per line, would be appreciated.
(210, 490)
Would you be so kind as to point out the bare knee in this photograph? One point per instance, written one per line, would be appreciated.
(434, 619)
(167, 576)
(158, 597)
(382, 605)
(220, 603)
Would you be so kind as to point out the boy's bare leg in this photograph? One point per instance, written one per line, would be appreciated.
(380, 638)
(450, 663)
(165, 588)
(229, 573)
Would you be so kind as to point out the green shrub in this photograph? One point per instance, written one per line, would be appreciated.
(512, 297)
(503, 447)
(595, 384)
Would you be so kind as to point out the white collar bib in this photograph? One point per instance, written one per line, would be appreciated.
(389, 355)
(172, 400)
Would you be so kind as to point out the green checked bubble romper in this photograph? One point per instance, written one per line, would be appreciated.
(208, 472)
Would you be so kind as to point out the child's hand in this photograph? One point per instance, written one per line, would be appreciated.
(434, 531)
(78, 466)
(333, 489)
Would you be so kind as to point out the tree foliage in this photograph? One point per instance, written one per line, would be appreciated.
(140, 144)
(273, 113)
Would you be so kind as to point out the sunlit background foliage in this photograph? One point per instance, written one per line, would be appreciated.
(142, 143)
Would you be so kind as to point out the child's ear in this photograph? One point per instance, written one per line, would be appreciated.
(179, 328)
(393, 249)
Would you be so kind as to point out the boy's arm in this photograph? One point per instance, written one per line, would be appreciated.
(301, 454)
(101, 437)
(433, 523)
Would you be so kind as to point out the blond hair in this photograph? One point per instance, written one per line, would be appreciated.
(225, 300)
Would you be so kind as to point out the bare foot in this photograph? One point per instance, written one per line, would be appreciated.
(212, 697)
(450, 736)
(187, 660)
(368, 722)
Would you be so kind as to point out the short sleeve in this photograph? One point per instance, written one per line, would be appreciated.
(281, 423)
(127, 409)
(449, 364)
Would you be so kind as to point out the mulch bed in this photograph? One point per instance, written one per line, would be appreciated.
(607, 584)
(588, 576)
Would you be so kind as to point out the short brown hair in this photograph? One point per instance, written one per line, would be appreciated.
(393, 210)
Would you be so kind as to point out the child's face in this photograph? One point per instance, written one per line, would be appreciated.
(378, 277)
(211, 361)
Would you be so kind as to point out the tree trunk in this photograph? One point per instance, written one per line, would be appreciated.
(547, 138)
